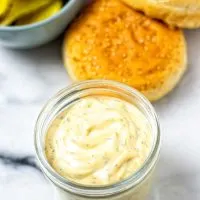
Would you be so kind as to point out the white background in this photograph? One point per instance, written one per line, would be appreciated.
(29, 78)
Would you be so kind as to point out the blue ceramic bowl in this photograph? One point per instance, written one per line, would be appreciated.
(34, 35)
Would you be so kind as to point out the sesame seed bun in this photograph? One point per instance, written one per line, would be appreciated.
(180, 13)
(112, 41)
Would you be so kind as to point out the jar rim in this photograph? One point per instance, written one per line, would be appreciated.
(96, 191)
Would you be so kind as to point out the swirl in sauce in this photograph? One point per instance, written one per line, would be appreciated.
(98, 141)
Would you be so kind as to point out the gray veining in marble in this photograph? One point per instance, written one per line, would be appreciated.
(29, 77)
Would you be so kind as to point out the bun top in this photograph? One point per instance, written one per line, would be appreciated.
(112, 41)
(188, 4)
(180, 13)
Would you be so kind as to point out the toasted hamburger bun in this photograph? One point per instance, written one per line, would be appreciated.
(180, 13)
(112, 41)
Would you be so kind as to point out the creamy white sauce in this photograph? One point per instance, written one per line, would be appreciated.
(98, 141)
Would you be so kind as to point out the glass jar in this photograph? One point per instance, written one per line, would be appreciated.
(137, 186)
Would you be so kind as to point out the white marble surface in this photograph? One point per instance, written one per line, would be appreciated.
(28, 78)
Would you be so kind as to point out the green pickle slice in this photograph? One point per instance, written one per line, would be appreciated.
(4, 7)
(20, 8)
(42, 14)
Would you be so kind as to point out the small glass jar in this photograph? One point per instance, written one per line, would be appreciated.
(137, 186)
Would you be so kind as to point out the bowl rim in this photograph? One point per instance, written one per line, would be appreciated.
(40, 23)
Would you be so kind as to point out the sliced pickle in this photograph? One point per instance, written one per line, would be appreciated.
(20, 8)
(4, 7)
(42, 14)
